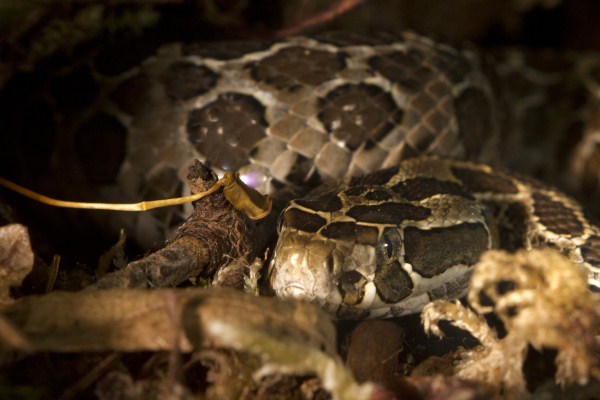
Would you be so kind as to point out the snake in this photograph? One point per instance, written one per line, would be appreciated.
(386, 244)
(389, 148)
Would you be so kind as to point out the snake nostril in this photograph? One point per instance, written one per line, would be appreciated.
(330, 263)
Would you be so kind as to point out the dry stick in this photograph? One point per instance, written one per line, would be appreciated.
(333, 11)
(173, 378)
(10, 336)
(52, 273)
(213, 235)
(203, 241)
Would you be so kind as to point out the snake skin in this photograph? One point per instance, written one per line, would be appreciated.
(287, 114)
(386, 244)
(302, 112)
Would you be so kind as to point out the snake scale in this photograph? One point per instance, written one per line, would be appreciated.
(390, 115)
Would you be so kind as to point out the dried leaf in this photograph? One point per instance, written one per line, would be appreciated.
(291, 337)
(543, 301)
(246, 199)
(16, 258)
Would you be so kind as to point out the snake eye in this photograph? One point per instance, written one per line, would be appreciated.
(330, 263)
(388, 247)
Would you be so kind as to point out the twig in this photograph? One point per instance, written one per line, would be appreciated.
(214, 233)
(332, 12)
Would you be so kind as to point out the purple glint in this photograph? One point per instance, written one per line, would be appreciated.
(252, 179)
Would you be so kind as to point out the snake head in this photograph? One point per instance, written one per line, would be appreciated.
(344, 277)
(372, 250)
(328, 256)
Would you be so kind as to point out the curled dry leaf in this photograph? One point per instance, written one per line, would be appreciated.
(244, 198)
(290, 337)
(542, 300)
(16, 258)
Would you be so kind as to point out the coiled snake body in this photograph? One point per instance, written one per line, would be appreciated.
(388, 243)
(303, 112)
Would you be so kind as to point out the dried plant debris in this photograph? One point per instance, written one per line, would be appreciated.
(241, 275)
(115, 255)
(444, 388)
(542, 300)
(16, 258)
(289, 338)
(213, 235)
(229, 373)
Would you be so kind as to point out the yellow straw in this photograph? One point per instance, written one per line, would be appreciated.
(244, 198)
(141, 206)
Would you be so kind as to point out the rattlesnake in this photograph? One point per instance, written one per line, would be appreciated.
(388, 243)
(302, 112)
